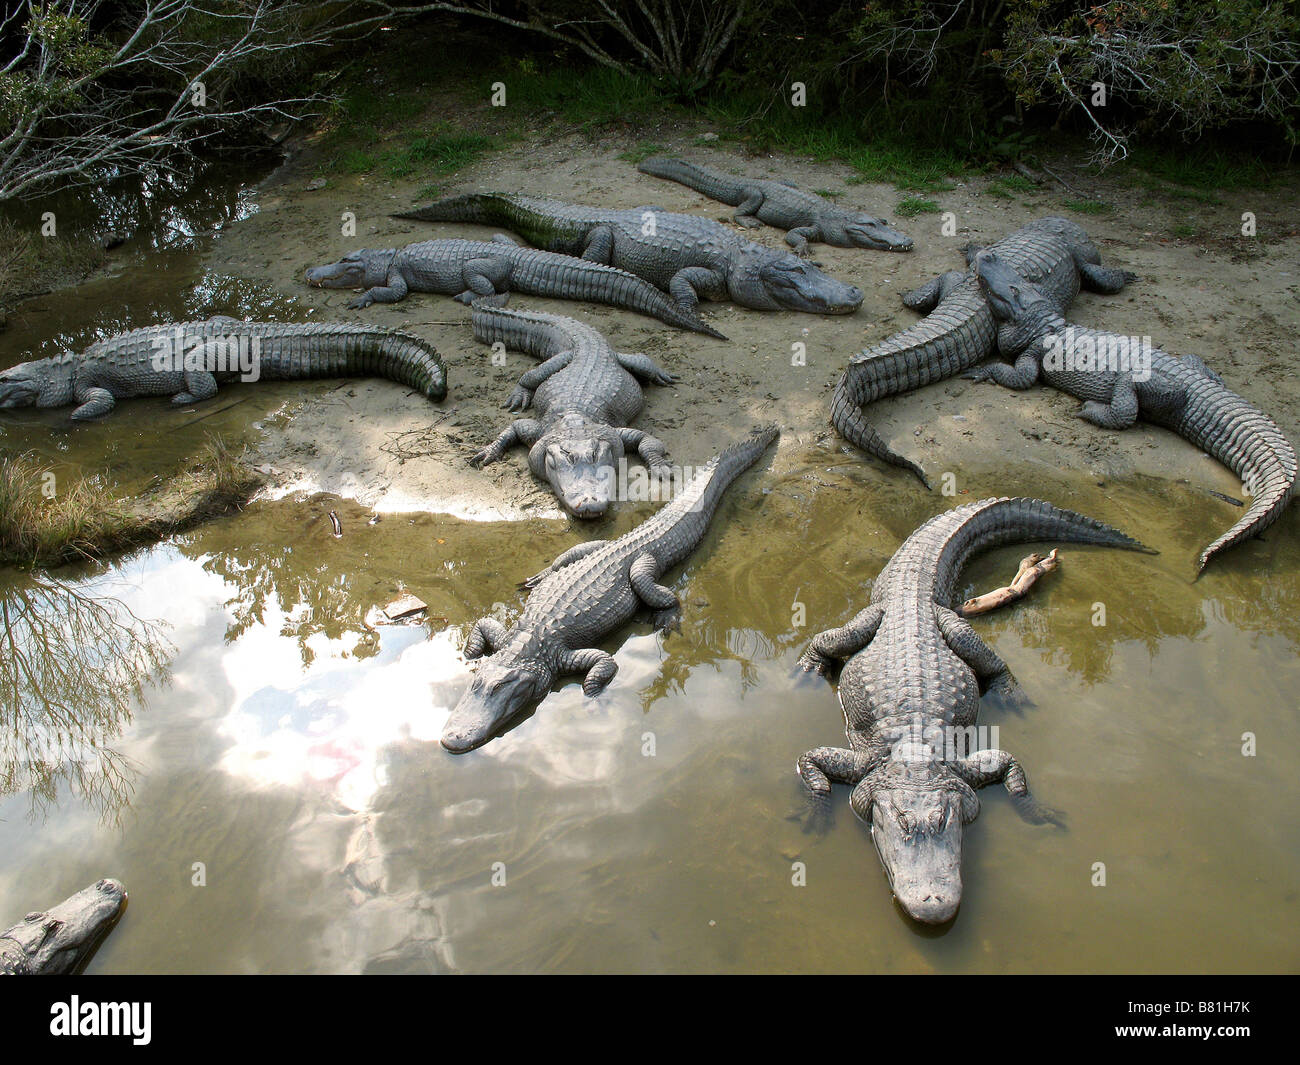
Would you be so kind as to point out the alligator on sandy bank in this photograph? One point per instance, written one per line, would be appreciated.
(806, 216)
(688, 257)
(913, 677)
(1120, 379)
(959, 329)
(187, 360)
(62, 939)
(584, 395)
(587, 593)
(473, 270)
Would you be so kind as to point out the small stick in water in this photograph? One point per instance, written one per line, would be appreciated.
(1031, 568)
(338, 525)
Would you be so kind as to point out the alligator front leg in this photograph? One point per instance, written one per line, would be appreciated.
(653, 451)
(747, 209)
(799, 238)
(645, 368)
(524, 431)
(993, 674)
(522, 397)
(395, 289)
(94, 403)
(835, 645)
(643, 576)
(1020, 375)
(693, 282)
(990, 766)
(598, 665)
(1122, 410)
(567, 558)
(199, 385)
(823, 766)
(1105, 279)
(486, 635)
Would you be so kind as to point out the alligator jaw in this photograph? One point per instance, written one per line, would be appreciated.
(16, 391)
(62, 939)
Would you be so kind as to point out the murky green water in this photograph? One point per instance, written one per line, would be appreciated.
(289, 742)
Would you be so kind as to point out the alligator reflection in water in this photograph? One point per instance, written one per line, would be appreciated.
(75, 664)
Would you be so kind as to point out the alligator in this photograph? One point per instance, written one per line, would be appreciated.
(584, 394)
(805, 215)
(62, 939)
(688, 257)
(910, 689)
(186, 360)
(1122, 379)
(959, 330)
(588, 592)
(483, 270)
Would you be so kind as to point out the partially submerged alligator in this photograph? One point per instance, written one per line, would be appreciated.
(473, 270)
(584, 395)
(688, 257)
(959, 330)
(187, 360)
(806, 216)
(913, 676)
(587, 593)
(62, 938)
(1121, 380)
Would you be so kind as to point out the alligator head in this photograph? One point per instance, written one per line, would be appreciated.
(21, 385)
(62, 939)
(866, 231)
(917, 808)
(579, 458)
(779, 281)
(357, 269)
(1019, 305)
(505, 685)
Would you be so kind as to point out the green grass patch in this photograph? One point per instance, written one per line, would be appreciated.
(642, 151)
(1186, 231)
(442, 152)
(1202, 168)
(1088, 206)
(830, 194)
(911, 206)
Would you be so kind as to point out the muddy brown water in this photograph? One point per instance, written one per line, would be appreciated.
(276, 800)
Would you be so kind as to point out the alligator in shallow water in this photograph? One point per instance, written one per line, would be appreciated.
(62, 939)
(584, 395)
(911, 687)
(187, 360)
(586, 594)
(478, 270)
(1122, 379)
(959, 330)
(806, 216)
(688, 257)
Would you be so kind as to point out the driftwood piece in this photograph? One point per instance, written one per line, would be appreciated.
(1031, 568)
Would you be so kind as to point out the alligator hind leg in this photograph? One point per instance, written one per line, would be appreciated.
(522, 397)
(643, 575)
(567, 558)
(823, 766)
(600, 246)
(645, 368)
(94, 402)
(1194, 361)
(1021, 374)
(747, 209)
(598, 665)
(1104, 279)
(484, 278)
(486, 634)
(994, 674)
(692, 282)
(928, 296)
(835, 645)
(990, 766)
(200, 385)
(1122, 410)
(524, 431)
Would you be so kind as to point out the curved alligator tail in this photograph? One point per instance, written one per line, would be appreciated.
(846, 417)
(701, 496)
(579, 279)
(497, 209)
(1249, 443)
(290, 351)
(711, 183)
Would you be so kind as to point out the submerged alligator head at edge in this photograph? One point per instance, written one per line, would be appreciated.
(62, 938)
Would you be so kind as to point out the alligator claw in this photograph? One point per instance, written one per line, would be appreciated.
(481, 458)
(812, 662)
(980, 373)
(1036, 813)
(817, 817)
(1009, 696)
(520, 399)
(360, 303)
(669, 620)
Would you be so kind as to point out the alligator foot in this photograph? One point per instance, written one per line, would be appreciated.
(668, 620)
(814, 662)
(1035, 812)
(1031, 568)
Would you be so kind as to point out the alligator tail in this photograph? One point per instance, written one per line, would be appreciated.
(498, 209)
(712, 184)
(1249, 443)
(699, 499)
(485, 210)
(292, 351)
(846, 416)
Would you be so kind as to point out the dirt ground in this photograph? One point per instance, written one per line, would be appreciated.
(1233, 300)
